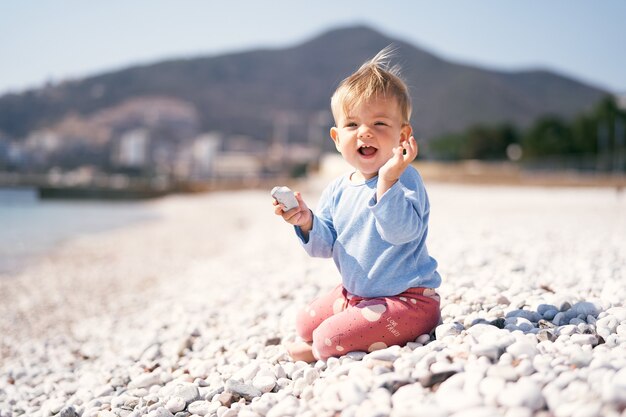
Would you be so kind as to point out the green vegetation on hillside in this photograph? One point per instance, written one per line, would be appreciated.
(591, 135)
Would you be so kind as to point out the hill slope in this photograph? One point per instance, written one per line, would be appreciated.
(242, 93)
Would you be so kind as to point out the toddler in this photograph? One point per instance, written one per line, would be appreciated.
(373, 222)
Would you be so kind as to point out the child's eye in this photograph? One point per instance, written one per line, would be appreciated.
(350, 124)
(380, 124)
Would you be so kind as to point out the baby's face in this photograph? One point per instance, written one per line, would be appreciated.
(366, 135)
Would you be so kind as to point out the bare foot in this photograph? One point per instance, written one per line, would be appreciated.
(301, 351)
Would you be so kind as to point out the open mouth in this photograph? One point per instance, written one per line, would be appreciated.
(367, 150)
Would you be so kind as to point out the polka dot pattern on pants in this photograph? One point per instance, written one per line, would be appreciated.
(340, 322)
(376, 346)
(373, 312)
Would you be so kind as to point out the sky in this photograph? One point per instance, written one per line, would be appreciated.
(50, 40)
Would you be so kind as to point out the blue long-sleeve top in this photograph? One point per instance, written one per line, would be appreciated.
(379, 247)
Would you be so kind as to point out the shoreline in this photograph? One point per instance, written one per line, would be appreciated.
(32, 228)
(482, 173)
(510, 174)
(198, 303)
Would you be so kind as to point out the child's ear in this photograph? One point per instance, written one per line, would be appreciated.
(405, 132)
(334, 135)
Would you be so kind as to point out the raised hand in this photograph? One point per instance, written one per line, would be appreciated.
(402, 157)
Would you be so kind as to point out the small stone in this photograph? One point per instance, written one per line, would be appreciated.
(247, 373)
(543, 308)
(520, 323)
(201, 407)
(619, 384)
(69, 411)
(585, 308)
(273, 341)
(448, 329)
(586, 328)
(188, 392)
(351, 393)
(145, 380)
(503, 300)
(531, 316)
(244, 390)
(413, 345)
(522, 349)
(524, 393)
(491, 386)
(264, 383)
(584, 339)
(310, 375)
(618, 312)
(568, 329)
(332, 363)
(356, 355)
(233, 412)
(559, 318)
(506, 372)
(499, 322)
(550, 314)
(544, 324)
(544, 335)
(432, 379)
(175, 404)
(490, 351)
(386, 355)
(131, 402)
(161, 412)
(287, 407)
(224, 398)
(299, 386)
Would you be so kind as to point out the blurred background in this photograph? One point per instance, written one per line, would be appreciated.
(132, 100)
(109, 101)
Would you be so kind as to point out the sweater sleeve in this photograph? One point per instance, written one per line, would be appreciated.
(401, 212)
(322, 236)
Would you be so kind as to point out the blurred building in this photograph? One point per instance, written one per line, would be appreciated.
(130, 150)
(195, 159)
(40, 145)
(230, 165)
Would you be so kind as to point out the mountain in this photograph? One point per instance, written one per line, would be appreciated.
(242, 93)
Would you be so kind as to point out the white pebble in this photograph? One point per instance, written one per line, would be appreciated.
(264, 383)
(145, 380)
(523, 393)
(522, 349)
(448, 329)
(175, 404)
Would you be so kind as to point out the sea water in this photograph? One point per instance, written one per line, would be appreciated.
(29, 226)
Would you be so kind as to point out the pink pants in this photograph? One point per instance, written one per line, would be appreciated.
(340, 322)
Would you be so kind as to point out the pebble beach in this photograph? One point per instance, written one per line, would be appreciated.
(187, 314)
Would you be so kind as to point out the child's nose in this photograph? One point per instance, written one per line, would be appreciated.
(364, 132)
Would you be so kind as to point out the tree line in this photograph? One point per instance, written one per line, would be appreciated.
(596, 139)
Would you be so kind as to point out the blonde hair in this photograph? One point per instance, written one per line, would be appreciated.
(375, 78)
